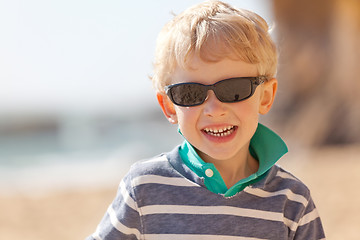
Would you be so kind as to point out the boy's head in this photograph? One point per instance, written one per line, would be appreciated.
(216, 65)
(213, 30)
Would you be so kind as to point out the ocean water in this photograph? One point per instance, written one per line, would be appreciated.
(70, 152)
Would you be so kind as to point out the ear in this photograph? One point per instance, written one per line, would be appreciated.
(167, 107)
(268, 95)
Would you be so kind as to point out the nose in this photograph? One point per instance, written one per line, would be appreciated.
(213, 107)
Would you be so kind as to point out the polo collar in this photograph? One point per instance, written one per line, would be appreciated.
(265, 146)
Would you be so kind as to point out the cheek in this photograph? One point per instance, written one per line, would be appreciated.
(247, 113)
(251, 105)
(247, 108)
(248, 117)
(187, 120)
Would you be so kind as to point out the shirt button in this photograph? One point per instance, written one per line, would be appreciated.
(209, 172)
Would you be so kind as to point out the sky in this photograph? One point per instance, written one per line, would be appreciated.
(84, 55)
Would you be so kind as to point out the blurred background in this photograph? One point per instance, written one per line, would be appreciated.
(77, 107)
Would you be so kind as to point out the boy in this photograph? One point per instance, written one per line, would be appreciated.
(214, 74)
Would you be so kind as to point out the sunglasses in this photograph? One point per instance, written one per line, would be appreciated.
(228, 91)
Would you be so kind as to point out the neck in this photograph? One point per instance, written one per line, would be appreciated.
(232, 175)
(235, 169)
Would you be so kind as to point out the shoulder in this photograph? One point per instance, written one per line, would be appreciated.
(280, 179)
(283, 188)
(281, 191)
(158, 165)
(154, 180)
(163, 169)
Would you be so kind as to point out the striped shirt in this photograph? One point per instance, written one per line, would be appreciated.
(162, 199)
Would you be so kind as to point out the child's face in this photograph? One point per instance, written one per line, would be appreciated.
(199, 123)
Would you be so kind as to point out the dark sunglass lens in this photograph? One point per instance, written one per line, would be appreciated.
(188, 94)
(233, 90)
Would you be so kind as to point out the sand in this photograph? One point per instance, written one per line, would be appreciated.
(331, 174)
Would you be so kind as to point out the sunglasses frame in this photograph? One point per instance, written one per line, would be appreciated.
(255, 81)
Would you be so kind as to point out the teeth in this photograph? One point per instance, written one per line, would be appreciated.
(220, 132)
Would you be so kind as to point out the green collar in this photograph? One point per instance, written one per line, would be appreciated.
(265, 146)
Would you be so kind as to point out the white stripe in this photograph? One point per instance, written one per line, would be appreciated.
(159, 159)
(126, 196)
(285, 175)
(311, 216)
(173, 181)
(195, 237)
(119, 226)
(304, 220)
(96, 235)
(290, 224)
(287, 192)
(220, 210)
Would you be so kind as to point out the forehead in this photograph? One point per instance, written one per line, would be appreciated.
(206, 72)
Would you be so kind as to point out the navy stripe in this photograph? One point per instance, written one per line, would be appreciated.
(213, 225)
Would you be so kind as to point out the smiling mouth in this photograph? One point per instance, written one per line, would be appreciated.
(221, 132)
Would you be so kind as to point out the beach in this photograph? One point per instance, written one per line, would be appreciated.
(332, 175)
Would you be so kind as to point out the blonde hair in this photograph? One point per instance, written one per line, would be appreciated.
(213, 30)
